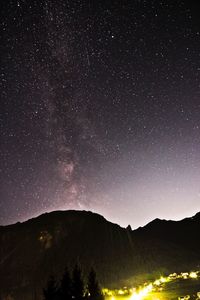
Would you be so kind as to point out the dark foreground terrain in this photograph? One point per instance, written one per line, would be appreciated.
(33, 250)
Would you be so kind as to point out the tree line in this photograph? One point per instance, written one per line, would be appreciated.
(72, 286)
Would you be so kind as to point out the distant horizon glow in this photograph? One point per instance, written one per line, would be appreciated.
(109, 217)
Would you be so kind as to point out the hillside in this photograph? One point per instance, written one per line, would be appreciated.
(33, 250)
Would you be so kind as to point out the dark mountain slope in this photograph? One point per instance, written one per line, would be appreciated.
(33, 250)
(184, 233)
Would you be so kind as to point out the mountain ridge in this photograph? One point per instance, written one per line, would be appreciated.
(98, 214)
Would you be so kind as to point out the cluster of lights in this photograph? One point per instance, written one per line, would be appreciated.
(142, 292)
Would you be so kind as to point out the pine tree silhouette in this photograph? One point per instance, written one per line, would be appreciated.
(51, 290)
(66, 287)
(94, 291)
(77, 284)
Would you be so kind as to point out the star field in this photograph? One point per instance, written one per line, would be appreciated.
(100, 109)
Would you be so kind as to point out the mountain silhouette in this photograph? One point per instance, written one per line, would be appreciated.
(32, 251)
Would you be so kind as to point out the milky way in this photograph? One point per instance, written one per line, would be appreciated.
(100, 109)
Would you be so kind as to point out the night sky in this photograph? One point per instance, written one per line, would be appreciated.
(100, 108)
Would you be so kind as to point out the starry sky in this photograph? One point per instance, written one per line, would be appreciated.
(100, 108)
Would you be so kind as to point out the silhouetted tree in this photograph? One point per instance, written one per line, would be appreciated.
(51, 290)
(65, 287)
(77, 284)
(94, 291)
